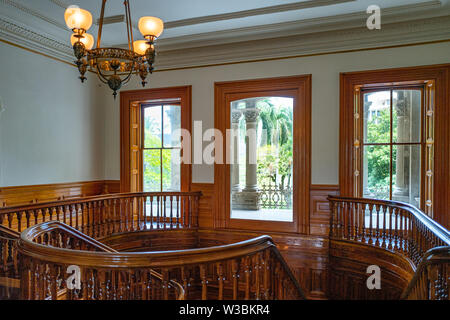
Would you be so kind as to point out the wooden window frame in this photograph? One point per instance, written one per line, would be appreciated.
(359, 124)
(162, 148)
(298, 87)
(349, 96)
(131, 134)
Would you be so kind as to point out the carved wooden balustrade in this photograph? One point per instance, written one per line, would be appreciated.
(105, 215)
(8, 252)
(47, 250)
(400, 228)
(431, 280)
(252, 269)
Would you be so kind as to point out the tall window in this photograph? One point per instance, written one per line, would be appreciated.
(392, 156)
(264, 184)
(262, 170)
(161, 147)
(151, 142)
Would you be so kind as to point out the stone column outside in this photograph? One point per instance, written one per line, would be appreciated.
(235, 119)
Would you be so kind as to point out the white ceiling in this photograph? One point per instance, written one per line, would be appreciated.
(189, 18)
(199, 24)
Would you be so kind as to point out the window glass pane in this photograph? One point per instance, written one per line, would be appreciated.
(152, 170)
(172, 123)
(406, 113)
(377, 117)
(152, 127)
(171, 170)
(261, 169)
(406, 174)
(376, 172)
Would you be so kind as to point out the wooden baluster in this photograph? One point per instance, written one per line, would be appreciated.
(114, 219)
(171, 212)
(266, 267)
(370, 223)
(220, 279)
(185, 279)
(361, 221)
(178, 211)
(139, 213)
(158, 212)
(247, 273)
(151, 212)
(401, 230)
(165, 283)
(204, 282)
(257, 268)
(377, 231)
(235, 266)
(164, 213)
(332, 219)
(27, 218)
(190, 212)
(390, 234)
(144, 208)
(121, 215)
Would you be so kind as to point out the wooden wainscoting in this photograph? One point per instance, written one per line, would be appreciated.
(320, 208)
(206, 204)
(19, 195)
(111, 186)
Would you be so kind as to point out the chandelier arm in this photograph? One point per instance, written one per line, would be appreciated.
(100, 27)
(128, 77)
(100, 75)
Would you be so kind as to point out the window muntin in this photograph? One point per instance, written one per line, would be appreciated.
(392, 144)
(161, 147)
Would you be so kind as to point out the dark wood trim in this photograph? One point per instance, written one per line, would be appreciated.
(320, 208)
(438, 73)
(184, 93)
(298, 87)
(22, 195)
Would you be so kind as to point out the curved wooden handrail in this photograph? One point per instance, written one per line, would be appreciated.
(139, 259)
(400, 228)
(36, 233)
(43, 205)
(423, 281)
(432, 225)
(50, 226)
(254, 254)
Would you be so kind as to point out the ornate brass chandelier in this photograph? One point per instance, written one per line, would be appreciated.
(113, 66)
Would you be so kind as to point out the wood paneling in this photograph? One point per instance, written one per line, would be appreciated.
(307, 256)
(297, 87)
(320, 208)
(111, 186)
(18, 195)
(440, 75)
(348, 272)
(206, 204)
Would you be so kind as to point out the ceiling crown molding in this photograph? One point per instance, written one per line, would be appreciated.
(355, 38)
(254, 12)
(60, 3)
(34, 13)
(21, 35)
(329, 23)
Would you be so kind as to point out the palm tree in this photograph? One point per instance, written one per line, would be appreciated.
(276, 121)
